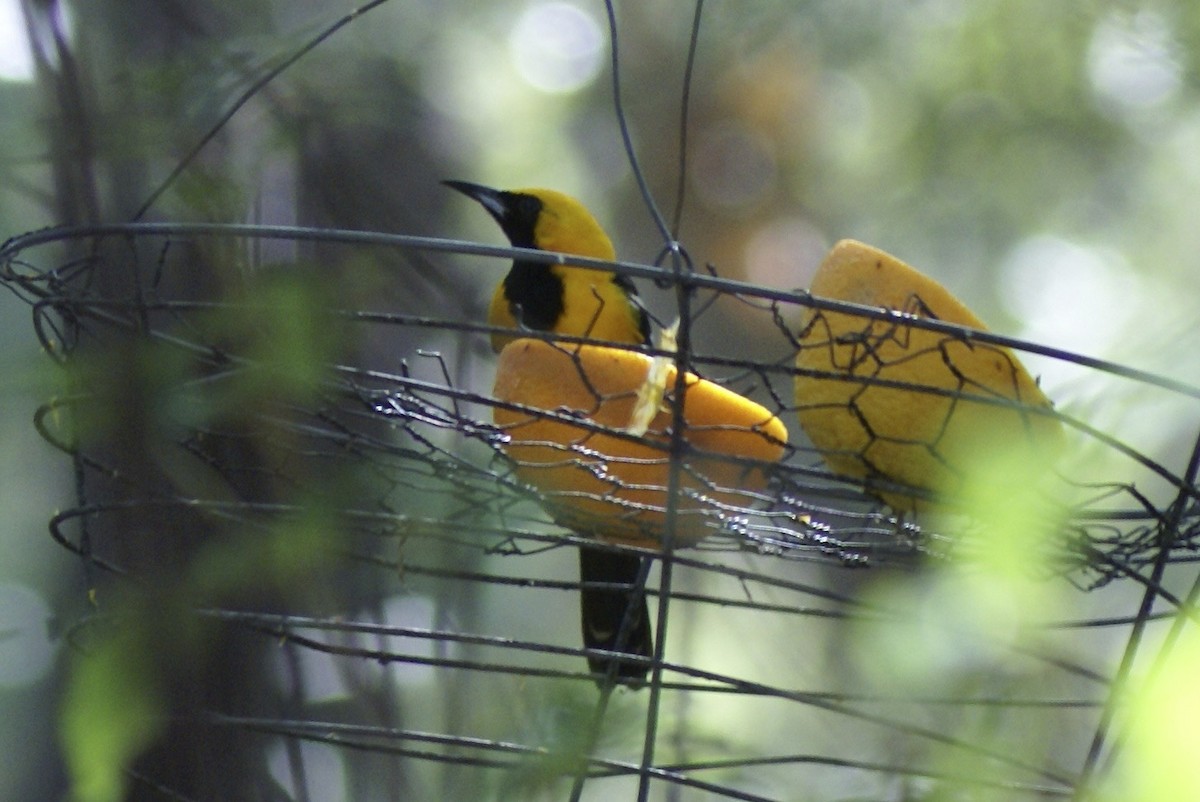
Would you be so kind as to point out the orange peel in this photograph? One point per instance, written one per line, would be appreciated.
(930, 441)
(612, 486)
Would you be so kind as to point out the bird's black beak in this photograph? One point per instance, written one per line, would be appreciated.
(491, 199)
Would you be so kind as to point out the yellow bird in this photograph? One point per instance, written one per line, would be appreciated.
(582, 302)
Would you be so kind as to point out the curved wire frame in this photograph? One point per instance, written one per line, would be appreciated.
(433, 472)
(419, 487)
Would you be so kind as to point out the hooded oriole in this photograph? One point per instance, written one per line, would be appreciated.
(581, 302)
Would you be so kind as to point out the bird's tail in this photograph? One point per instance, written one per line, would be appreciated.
(615, 619)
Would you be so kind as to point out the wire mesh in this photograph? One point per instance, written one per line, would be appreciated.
(432, 478)
(390, 446)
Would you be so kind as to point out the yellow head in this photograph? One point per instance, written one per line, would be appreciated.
(558, 298)
(566, 226)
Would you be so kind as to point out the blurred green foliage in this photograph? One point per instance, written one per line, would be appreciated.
(949, 132)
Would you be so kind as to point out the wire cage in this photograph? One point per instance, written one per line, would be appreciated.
(319, 564)
(396, 475)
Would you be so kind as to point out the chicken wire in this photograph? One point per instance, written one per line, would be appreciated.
(431, 482)
(420, 515)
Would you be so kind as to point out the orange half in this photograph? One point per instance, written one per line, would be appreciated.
(939, 427)
(614, 487)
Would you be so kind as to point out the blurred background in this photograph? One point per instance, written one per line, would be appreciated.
(1040, 159)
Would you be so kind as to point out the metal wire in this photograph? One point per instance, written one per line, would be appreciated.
(435, 475)
(416, 434)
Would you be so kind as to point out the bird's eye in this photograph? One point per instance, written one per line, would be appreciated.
(528, 208)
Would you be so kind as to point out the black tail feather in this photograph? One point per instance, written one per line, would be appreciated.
(606, 624)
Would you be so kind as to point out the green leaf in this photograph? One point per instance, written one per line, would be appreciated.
(112, 710)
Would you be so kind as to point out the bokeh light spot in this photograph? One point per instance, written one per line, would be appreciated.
(1068, 295)
(1133, 61)
(16, 59)
(556, 47)
(785, 253)
(26, 650)
(734, 167)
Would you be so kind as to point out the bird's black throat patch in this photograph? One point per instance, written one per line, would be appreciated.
(535, 295)
(518, 218)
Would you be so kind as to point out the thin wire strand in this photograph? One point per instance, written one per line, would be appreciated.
(255, 87)
(1167, 536)
(684, 114)
(1135, 543)
(13, 247)
(626, 137)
